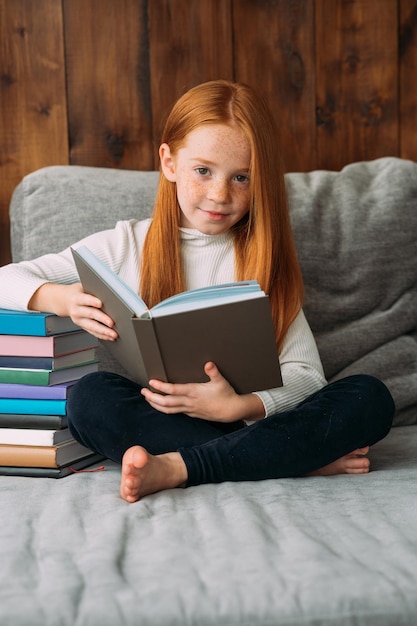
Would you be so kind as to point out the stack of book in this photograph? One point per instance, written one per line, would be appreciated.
(41, 357)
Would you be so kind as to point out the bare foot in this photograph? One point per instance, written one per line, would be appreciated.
(354, 463)
(144, 473)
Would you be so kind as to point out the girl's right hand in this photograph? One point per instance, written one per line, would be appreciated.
(71, 301)
(85, 311)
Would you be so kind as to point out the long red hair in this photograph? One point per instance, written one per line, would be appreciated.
(263, 240)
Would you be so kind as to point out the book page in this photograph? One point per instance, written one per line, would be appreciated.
(208, 296)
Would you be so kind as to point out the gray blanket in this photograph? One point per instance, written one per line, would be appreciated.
(338, 551)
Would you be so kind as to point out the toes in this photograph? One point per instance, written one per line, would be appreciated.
(357, 465)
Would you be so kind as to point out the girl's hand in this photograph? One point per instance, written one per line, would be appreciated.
(215, 400)
(85, 311)
(71, 301)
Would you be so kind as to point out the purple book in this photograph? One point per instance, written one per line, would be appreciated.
(36, 392)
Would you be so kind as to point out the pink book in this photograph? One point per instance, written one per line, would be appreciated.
(55, 345)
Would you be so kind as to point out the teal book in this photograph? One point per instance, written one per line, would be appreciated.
(33, 406)
(34, 323)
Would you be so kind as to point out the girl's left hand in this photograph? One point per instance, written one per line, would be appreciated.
(215, 400)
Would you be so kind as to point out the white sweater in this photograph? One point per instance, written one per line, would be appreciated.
(207, 260)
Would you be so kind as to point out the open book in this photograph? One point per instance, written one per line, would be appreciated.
(230, 325)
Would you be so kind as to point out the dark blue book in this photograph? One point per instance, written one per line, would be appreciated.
(49, 362)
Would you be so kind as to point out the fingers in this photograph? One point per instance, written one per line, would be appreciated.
(85, 310)
(213, 372)
(169, 404)
(213, 400)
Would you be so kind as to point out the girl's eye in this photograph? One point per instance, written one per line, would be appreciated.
(241, 178)
(203, 171)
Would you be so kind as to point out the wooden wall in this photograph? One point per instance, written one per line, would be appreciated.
(89, 81)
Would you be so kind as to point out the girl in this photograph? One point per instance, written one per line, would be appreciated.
(220, 215)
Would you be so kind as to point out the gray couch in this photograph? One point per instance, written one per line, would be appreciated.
(339, 550)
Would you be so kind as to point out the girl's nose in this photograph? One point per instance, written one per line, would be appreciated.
(219, 191)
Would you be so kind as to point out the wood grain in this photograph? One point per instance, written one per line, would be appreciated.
(357, 79)
(408, 79)
(33, 113)
(190, 42)
(107, 60)
(274, 53)
(90, 81)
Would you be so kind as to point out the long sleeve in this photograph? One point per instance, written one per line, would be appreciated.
(119, 248)
(301, 368)
(207, 260)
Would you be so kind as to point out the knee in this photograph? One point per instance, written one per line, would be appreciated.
(380, 403)
(87, 399)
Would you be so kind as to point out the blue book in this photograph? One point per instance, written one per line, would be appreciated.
(49, 362)
(22, 406)
(34, 323)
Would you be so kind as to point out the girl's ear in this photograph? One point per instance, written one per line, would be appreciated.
(167, 162)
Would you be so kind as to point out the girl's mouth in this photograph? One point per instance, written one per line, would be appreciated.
(214, 215)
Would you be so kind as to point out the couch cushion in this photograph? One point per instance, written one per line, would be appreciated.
(74, 201)
(356, 234)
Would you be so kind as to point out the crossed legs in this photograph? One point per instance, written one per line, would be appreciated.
(328, 433)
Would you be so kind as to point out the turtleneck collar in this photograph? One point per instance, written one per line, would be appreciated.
(194, 235)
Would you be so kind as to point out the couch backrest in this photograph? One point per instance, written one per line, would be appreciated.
(356, 236)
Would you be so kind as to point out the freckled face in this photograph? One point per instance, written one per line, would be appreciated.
(211, 172)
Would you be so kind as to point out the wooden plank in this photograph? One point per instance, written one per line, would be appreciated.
(408, 75)
(357, 81)
(33, 127)
(274, 53)
(110, 119)
(190, 43)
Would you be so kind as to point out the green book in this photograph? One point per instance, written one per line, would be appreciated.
(45, 377)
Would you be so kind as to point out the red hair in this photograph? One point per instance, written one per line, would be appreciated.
(263, 240)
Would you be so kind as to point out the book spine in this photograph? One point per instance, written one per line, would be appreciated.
(52, 472)
(22, 324)
(24, 377)
(34, 323)
(24, 405)
(79, 357)
(28, 456)
(27, 362)
(47, 346)
(18, 345)
(55, 392)
(33, 437)
(47, 422)
(149, 349)
(43, 456)
(46, 377)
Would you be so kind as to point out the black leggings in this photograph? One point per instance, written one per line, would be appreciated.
(108, 414)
